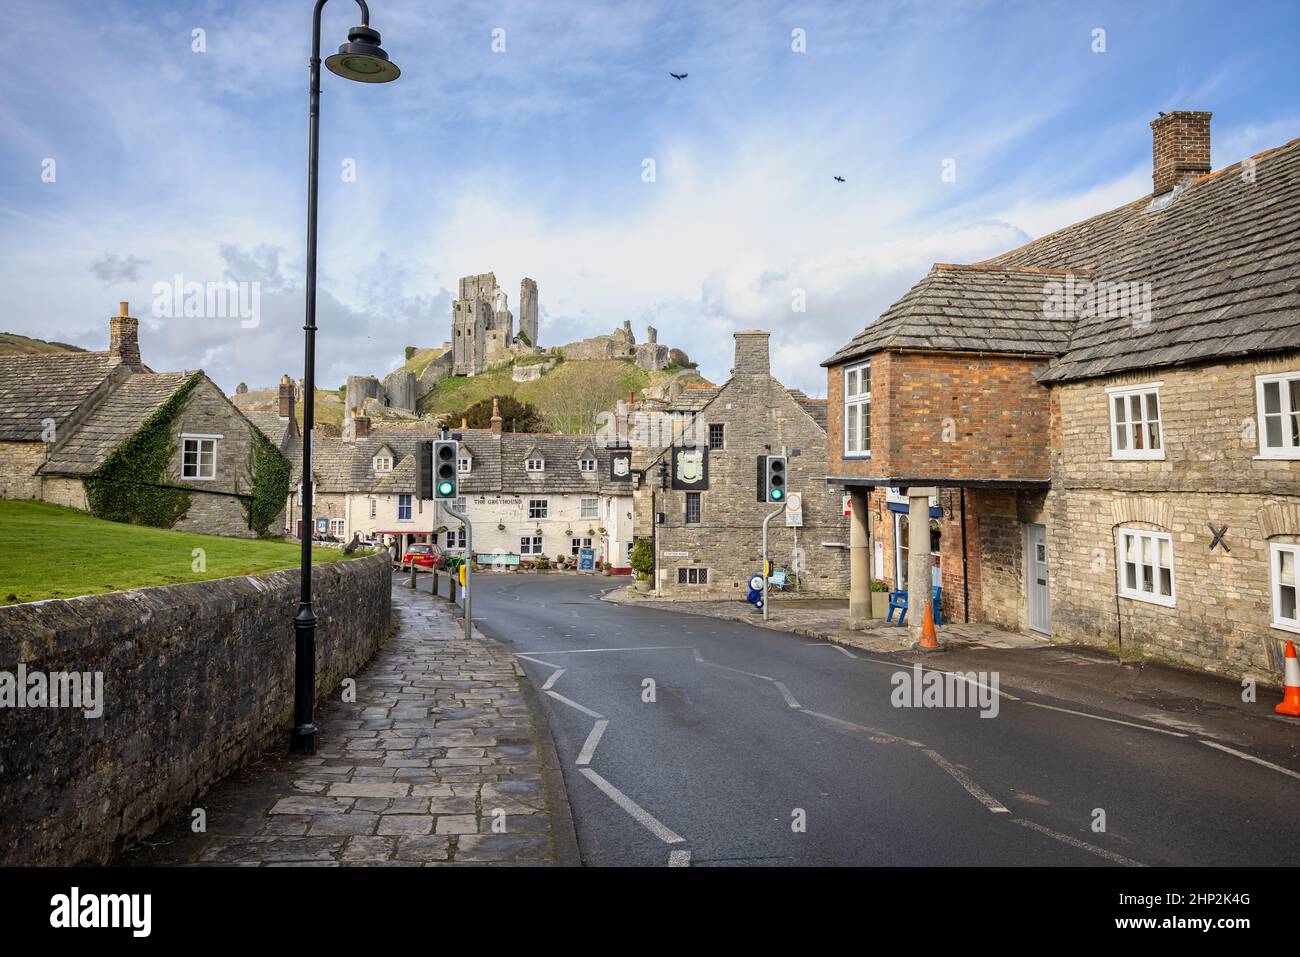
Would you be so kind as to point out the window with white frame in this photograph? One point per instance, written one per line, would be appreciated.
(589, 507)
(374, 508)
(1146, 566)
(530, 545)
(534, 465)
(1283, 560)
(456, 537)
(1135, 431)
(383, 463)
(199, 456)
(586, 465)
(464, 464)
(336, 527)
(1279, 415)
(577, 544)
(857, 409)
(538, 508)
(404, 508)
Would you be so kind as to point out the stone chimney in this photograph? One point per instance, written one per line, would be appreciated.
(124, 336)
(286, 397)
(751, 353)
(496, 417)
(1180, 149)
(361, 426)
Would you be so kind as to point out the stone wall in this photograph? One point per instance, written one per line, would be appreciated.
(197, 680)
(18, 464)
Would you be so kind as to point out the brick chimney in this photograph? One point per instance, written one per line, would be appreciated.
(124, 336)
(1180, 149)
(496, 417)
(751, 353)
(286, 397)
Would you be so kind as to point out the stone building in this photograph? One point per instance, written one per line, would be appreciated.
(527, 494)
(104, 433)
(482, 326)
(622, 344)
(697, 494)
(1100, 429)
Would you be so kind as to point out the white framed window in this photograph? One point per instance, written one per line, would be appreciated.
(199, 457)
(530, 545)
(1146, 566)
(374, 508)
(1279, 415)
(383, 463)
(578, 544)
(1283, 560)
(538, 508)
(464, 464)
(534, 465)
(857, 410)
(404, 508)
(1135, 428)
(336, 527)
(692, 576)
(586, 465)
(456, 537)
(589, 507)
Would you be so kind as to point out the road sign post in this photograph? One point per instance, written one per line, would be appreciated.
(468, 566)
(767, 572)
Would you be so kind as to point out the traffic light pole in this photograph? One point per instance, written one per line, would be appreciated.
(766, 571)
(469, 563)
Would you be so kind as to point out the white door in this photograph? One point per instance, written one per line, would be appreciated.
(1038, 591)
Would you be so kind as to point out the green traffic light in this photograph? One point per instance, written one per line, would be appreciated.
(444, 488)
(777, 494)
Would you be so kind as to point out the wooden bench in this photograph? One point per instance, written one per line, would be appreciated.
(898, 602)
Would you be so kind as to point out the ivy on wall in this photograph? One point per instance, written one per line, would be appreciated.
(129, 486)
(270, 471)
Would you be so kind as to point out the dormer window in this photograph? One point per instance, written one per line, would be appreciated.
(586, 465)
(383, 463)
(464, 464)
(534, 465)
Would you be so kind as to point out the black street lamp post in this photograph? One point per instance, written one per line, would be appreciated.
(363, 60)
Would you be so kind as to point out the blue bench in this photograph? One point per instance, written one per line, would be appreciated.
(898, 602)
(777, 580)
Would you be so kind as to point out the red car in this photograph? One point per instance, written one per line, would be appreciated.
(424, 555)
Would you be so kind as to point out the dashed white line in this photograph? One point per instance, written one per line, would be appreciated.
(877, 732)
(1250, 757)
(592, 651)
(1097, 717)
(785, 693)
(1075, 842)
(679, 858)
(642, 816)
(550, 682)
(960, 776)
(593, 739)
(573, 704)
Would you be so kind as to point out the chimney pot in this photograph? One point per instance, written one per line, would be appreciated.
(1180, 149)
(124, 309)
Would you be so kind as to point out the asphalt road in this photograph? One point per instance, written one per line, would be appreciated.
(753, 732)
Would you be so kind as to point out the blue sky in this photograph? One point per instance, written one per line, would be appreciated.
(530, 161)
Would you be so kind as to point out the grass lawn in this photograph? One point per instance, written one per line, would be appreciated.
(52, 552)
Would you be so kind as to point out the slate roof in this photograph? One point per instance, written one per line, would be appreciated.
(968, 309)
(814, 407)
(114, 419)
(38, 387)
(497, 463)
(272, 426)
(1221, 255)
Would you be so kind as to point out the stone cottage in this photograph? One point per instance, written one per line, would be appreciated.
(1100, 430)
(102, 432)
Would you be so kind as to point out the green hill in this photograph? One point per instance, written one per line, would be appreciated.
(12, 344)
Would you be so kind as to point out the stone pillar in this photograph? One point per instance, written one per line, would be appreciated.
(919, 587)
(859, 560)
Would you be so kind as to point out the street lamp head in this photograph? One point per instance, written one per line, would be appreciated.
(363, 59)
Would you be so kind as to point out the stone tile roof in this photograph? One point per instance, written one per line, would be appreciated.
(968, 309)
(113, 420)
(272, 426)
(34, 388)
(814, 407)
(1220, 255)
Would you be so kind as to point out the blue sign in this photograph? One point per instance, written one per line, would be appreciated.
(586, 559)
(322, 526)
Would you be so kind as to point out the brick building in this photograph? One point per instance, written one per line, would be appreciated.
(1079, 419)
(709, 541)
(75, 430)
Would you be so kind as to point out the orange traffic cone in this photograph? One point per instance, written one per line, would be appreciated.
(929, 641)
(1291, 699)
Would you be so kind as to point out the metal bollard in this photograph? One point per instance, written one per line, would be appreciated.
(451, 587)
(411, 583)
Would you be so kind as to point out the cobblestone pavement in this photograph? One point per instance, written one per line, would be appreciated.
(437, 762)
(822, 618)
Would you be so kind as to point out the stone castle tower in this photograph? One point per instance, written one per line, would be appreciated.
(482, 326)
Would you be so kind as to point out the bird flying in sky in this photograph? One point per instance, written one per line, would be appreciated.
(679, 76)
(839, 179)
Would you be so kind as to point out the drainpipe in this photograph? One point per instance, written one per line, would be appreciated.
(965, 584)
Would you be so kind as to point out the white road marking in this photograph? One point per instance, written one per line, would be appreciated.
(1250, 757)
(862, 727)
(840, 648)
(550, 682)
(971, 681)
(642, 816)
(1075, 842)
(698, 657)
(750, 674)
(1097, 717)
(593, 739)
(573, 704)
(785, 693)
(958, 775)
(679, 858)
(592, 651)
(537, 661)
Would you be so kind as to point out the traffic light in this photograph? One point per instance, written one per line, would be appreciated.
(424, 470)
(446, 480)
(776, 476)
